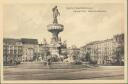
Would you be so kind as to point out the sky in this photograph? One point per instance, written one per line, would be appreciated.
(83, 23)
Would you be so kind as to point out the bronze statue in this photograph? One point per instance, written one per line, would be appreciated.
(55, 14)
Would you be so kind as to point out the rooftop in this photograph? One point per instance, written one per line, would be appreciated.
(11, 40)
(29, 41)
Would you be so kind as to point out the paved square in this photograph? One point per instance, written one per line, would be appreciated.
(31, 73)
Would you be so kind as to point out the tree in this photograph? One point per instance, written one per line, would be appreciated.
(75, 54)
(82, 56)
(119, 52)
(87, 57)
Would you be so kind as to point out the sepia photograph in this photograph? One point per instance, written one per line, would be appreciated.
(64, 41)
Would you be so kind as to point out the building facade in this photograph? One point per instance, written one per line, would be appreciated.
(30, 49)
(104, 52)
(12, 51)
(16, 51)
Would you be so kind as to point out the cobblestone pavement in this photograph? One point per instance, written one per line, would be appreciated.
(101, 72)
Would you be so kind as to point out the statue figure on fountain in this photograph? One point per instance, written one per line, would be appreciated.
(55, 15)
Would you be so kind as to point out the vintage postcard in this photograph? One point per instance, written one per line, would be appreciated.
(63, 41)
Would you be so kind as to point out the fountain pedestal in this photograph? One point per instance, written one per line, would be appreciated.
(56, 44)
